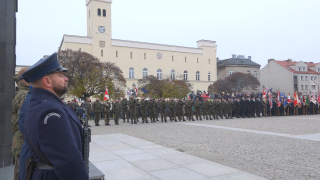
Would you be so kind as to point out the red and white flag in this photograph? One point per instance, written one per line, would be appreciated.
(278, 99)
(136, 89)
(289, 98)
(270, 100)
(106, 95)
(318, 97)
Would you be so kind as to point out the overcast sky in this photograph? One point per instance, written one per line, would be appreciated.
(263, 29)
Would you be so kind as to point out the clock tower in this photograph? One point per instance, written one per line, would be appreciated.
(99, 27)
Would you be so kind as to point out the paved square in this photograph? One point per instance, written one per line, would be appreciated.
(268, 147)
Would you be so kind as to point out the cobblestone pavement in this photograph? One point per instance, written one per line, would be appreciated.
(268, 156)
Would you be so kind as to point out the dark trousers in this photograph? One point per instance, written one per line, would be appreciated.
(96, 117)
(107, 117)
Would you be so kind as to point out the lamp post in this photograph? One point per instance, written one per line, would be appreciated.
(133, 89)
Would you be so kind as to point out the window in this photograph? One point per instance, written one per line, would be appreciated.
(299, 68)
(104, 13)
(301, 87)
(311, 78)
(315, 78)
(185, 59)
(185, 75)
(144, 73)
(255, 74)
(99, 12)
(159, 74)
(131, 73)
(145, 55)
(301, 78)
(209, 61)
(101, 53)
(318, 69)
(306, 87)
(231, 72)
(248, 72)
(173, 74)
(197, 76)
(116, 53)
(303, 69)
(306, 78)
(313, 87)
(131, 55)
(197, 60)
(209, 76)
(172, 58)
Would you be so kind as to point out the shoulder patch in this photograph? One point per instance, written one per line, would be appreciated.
(49, 115)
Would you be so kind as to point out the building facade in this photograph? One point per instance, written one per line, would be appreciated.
(138, 59)
(289, 75)
(238, 63)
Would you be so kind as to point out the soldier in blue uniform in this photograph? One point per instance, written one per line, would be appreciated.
(53, 132)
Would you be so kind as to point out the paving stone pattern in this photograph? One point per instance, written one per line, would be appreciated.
(122, 157)
(264, 155)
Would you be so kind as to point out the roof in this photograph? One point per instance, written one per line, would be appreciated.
(236, 61)
(287, 63)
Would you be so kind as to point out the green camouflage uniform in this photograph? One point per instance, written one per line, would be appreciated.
(132, 107)
(116, 108)
(163, 110)
(151, 105)
(17, 140)
(125, 112)
(107, 107)
(144, 111)
(172, 113)
(96, 110)
(223, 106)
(217, 109)
(180, 110)
(229, 109)
(197, 108)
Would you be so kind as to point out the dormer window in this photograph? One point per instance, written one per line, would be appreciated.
(299, 68)
(303, 69)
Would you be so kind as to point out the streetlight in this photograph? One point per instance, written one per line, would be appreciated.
(133, 89)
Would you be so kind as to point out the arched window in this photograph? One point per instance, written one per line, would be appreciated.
(101, 53)
(104, 13)
(99, 12)
(209, 76)
(173, 74)
(197, 76)
(159, 74)
(116, 73)
(185, 75)
(131, 73)
(144, 72)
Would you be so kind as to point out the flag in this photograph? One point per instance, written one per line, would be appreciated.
(278, 99)
(129, 93)
(270, 100)
(136, 89)
(264, 96)
(285, 103)
(270, 90)
(314, 98)
(144, 90)
(289, 98)
(296, 101)
(318, 97)
(106, 94)
(307, 100)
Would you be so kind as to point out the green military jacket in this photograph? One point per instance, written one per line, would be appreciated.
(124, 103)
(229, 104)
(163, 105)
(180, 104)
(132, 103)
(197, 104)
(172, 104)
(96, 107)
(189, 104)
(144, 105)
(151, 104)
(116, 106)
(107, 107)
(223, 104)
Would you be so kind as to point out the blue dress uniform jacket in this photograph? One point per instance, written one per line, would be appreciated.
(54, 130)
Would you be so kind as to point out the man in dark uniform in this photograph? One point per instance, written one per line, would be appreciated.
(258, 107)
(116, 107)
(132, 108)
(180, 104)
(172, 106)
(53, 130)
(163, 110)
(237, 107)
(151, 109)
(197, 106)
(107, 107)
(253, 106)
(96, 110)
(125, 112)
(248, 107)
(144, 110)
(243, 107)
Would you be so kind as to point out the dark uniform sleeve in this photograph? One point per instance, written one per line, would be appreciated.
(60, 141)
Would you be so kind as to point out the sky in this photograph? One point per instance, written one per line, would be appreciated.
(263, 29)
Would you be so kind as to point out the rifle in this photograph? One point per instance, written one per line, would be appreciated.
(86, 139)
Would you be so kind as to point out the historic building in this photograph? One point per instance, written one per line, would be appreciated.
(289, 75)
(138, 59)
(238, 63)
